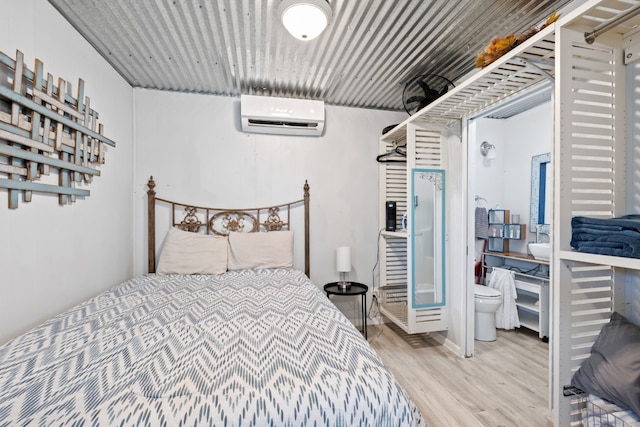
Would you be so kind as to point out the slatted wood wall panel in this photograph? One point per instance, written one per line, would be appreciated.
(590, 290)
(590, 156)
(508, 77)
(591, 302)
(430, 316)
(396, 176)
(632, 203)
(591, 183)
(396, 248)
(396, 253)
(428, 149)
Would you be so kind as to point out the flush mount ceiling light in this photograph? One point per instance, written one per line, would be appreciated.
(488, 150)
(305, 19)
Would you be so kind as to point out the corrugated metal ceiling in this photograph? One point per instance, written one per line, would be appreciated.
(232, 47)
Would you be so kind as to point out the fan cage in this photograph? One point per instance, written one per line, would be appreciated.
(413, 91)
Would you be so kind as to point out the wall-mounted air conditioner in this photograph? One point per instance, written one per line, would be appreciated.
(281, 116)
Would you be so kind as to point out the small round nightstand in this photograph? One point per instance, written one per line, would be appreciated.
(354, 289)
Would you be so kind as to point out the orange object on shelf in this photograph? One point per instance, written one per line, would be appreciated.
(499, 46)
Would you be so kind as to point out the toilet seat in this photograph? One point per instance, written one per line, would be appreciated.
(486, 292)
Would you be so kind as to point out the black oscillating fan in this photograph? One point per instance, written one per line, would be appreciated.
(423, 90)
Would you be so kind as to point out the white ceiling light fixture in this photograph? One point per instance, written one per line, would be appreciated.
(305, 19)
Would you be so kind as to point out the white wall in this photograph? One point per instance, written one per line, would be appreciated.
(53, 257)
(528, 134)
(506, 181)
(194, 148)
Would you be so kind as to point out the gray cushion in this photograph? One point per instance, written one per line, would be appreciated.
(612, 371)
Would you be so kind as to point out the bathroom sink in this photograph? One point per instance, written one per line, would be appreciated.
(540, 250)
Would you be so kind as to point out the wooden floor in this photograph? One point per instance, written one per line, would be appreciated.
(504, 385)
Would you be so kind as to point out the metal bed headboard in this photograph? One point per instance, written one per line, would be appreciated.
(222, 221)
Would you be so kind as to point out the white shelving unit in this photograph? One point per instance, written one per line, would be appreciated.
(399, 234)
(502, 231)
(590, 179)
(398, 303)
(532, 289)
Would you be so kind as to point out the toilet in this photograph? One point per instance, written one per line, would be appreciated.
(487, 300)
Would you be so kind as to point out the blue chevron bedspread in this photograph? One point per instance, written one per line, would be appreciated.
(245, 348)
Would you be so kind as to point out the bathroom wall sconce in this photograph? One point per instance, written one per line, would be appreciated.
(488, 150)
(305, 19)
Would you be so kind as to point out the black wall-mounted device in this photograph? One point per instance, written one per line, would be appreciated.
(391, 216)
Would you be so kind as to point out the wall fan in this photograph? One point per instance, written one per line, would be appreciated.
(423, 90)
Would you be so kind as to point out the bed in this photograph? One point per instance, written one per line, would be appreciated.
(243, 347)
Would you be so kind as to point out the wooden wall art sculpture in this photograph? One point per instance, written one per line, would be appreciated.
(43, 127)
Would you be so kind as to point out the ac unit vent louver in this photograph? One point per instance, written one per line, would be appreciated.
(281, 116)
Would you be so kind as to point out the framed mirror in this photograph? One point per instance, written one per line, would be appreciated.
(427, 237)
(540, 212)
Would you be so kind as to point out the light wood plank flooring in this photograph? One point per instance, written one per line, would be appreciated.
(504, 385)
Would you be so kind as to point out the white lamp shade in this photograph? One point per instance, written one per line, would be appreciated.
(343, 259)
(305, 19)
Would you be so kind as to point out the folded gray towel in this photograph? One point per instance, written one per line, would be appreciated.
(607, 236)
(482, 223)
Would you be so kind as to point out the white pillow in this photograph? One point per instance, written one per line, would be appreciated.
(273, 249)
(184, 252)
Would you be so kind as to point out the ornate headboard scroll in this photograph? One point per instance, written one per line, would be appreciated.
(222, 221)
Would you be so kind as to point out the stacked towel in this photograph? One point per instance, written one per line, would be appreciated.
(613, 236)
(482, 223)
(505, 281)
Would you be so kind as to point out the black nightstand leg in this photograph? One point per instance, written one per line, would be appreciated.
(355, 289)
(364, 315)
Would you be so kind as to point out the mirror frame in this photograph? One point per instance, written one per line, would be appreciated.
(437, 178)
(537, 202)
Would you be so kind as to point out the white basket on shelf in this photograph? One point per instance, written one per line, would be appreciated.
(593, 411)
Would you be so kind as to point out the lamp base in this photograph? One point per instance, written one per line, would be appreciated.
(343, 285)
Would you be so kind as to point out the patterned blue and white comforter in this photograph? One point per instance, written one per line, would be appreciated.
(245, 348)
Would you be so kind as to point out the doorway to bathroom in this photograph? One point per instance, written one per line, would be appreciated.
(502, 143)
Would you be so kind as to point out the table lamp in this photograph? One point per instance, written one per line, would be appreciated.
(343, 264)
